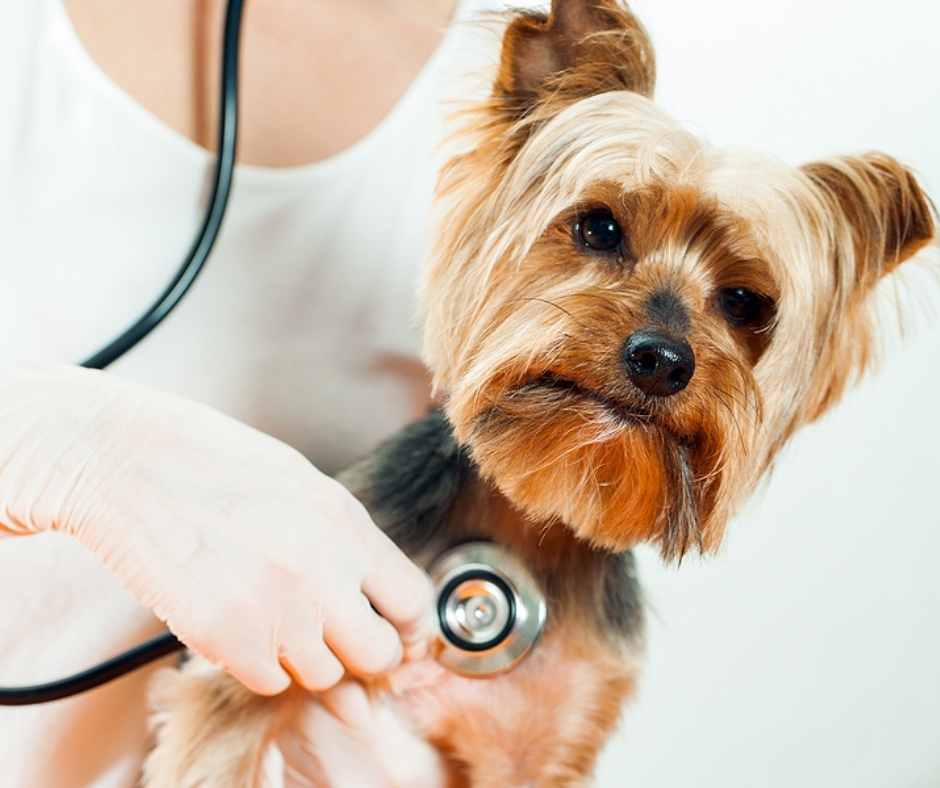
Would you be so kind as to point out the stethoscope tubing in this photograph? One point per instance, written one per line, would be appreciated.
(205, 239)
(111, 669)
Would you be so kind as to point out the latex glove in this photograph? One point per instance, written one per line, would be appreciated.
(253, 558)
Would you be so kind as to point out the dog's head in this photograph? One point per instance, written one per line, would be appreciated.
(627, 323)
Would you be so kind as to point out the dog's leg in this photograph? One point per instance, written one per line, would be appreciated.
(540, 726)
(210, 730)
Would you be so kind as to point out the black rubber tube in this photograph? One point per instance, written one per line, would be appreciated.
(100, 674)
(167, 301)
(215, 212)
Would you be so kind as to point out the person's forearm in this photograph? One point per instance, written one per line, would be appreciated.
(53, 421)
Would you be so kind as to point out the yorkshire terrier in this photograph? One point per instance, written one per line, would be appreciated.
(625, 325)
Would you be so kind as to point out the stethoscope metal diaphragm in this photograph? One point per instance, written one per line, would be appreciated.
(490, 609)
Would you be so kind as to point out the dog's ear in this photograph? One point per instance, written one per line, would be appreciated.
(580, 48)
(875, 216)
(880, 205)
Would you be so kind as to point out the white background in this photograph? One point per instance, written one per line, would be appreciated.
(808, 653)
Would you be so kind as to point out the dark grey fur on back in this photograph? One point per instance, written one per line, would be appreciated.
(410, 485)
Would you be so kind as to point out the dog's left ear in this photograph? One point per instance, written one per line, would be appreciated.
(875, 216)
(884, 209)
(580, 48)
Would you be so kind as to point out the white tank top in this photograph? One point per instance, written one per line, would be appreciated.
(303, 323)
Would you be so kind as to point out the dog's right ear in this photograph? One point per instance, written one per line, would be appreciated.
(580, 48)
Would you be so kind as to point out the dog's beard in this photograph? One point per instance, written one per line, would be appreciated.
(615, 477)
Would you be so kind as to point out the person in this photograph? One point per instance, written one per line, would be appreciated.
(189, 485)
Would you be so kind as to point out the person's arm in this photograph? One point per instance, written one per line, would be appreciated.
(252, 557)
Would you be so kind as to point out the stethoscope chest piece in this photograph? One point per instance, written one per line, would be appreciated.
(490, 609)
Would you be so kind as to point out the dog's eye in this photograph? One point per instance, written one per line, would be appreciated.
(598, 230)
(743, 307)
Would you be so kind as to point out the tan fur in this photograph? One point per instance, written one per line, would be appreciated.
(509, 298)
(209, 729)
(523, 334)
(583, 687)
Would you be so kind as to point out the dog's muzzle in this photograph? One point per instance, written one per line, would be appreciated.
(490, 609)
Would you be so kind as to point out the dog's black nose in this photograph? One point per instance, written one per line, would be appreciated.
(657, 364)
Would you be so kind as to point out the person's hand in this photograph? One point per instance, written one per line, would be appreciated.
(254, 558)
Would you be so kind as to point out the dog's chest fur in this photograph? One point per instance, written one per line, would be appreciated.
(558, 706)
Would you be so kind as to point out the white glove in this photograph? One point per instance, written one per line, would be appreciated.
(253, 558)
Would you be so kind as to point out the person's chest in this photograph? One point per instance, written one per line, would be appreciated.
(303, 323)
(315, 76)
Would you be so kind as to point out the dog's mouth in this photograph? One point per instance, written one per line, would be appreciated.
(626, 414)
(551, 382)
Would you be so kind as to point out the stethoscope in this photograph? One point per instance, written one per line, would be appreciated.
(490, 609)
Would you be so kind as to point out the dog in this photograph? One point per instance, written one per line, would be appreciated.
(625, 326)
